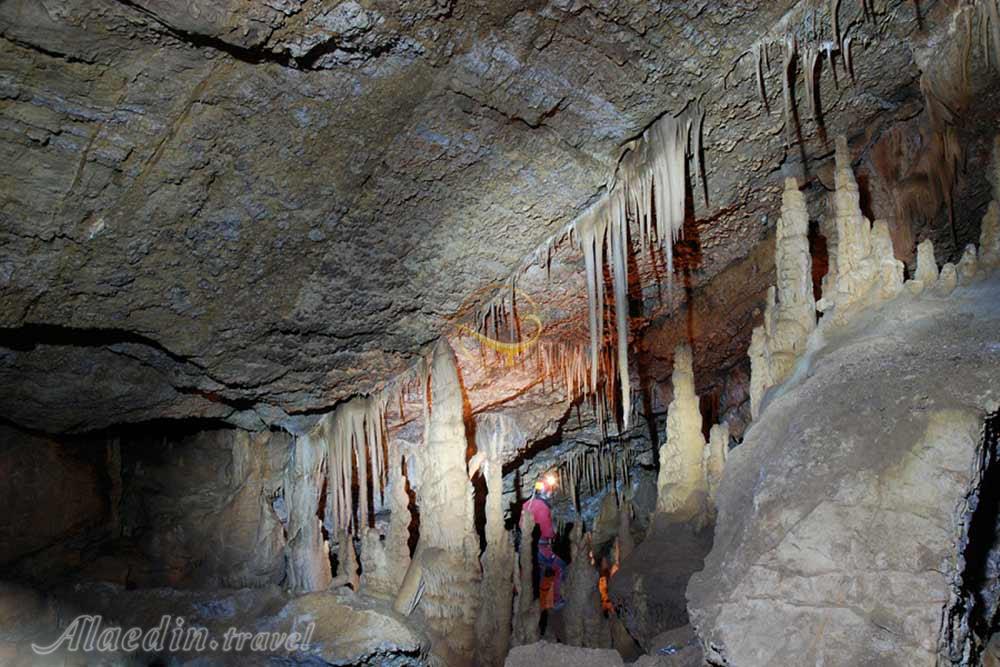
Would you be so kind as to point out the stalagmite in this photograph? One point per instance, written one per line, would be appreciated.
(989, 237)
(527, 613)
(927, 269)
(347, 570)
(385, 559)
(583, 619)
(968, 265)
(444, 574)
(681, 490)
(493, 627)
(625, 541)
(866, 271)
(715, 457)
(789, 316)
(890, 281)
(306, 554)
(947, 280)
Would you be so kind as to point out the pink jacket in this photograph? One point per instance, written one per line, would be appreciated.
(543, 517)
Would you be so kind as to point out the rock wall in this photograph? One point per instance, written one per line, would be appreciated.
(55, 504)
(205, 511)
(841, 513)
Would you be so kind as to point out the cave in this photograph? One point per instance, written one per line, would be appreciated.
(500, 334)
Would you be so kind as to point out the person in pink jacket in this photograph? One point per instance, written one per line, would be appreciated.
(541, 510)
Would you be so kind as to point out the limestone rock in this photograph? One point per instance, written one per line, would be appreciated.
(204, 510)
(865, 271)
(947, 280)
(968, 265)
(715, 455)
(583, 619)
(307, 553)
(681, 484)
(347, 629)
(560, 655)
(790, 314)
(648, 589)
(493, 627)
(989, 237)
(927, 268)
(830, 504)
(675, 648)
(52, 496)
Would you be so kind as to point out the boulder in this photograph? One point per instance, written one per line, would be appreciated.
(843, 517)
(648, 591)
(560, 655)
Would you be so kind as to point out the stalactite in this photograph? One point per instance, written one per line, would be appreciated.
(810, 59)
(827, 48)
(758, 51)
(845, 49)
(653, 186)
(354, 435)
(788, 80)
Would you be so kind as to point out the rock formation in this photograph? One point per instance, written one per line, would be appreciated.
(864, 271)
(307, 554)
(624, 542)
(583, 620)
(790, 314)
(527, 613)
(828, 506)
(989, 240)
(681, 484)
(385, 558)
(926, 274)
(444, 576)
(493, 627)
(716, 452)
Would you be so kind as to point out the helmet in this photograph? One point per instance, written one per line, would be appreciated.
(545, 485)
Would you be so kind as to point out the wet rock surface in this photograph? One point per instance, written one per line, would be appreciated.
(842, 515)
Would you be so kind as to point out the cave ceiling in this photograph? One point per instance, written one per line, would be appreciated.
(246, 210)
